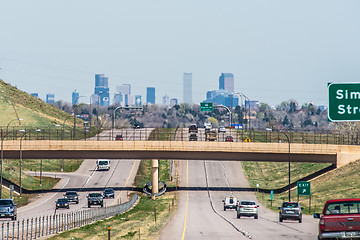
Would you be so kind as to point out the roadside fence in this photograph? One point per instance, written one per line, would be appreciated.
(42, 226)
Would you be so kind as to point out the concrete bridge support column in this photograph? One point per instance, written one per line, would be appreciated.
(155, 175)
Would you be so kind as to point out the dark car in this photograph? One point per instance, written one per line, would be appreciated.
(72, 196)
(8, 209)
(62, 203)
(229, 139)
(193, 128)
(290, 210)
(119, 137)
(108, 193)
(136, 125)
(193, 137)
(95, 199)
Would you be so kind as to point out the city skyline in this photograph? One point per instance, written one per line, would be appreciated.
(276, 50)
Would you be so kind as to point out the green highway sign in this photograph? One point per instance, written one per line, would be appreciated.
(206, 107)
(344, 102)
(303, 188)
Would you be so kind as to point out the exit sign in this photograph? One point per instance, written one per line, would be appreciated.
(206, 107)
(344, 102)
(303, 188)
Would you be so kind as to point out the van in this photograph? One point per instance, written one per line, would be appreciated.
(103, 164)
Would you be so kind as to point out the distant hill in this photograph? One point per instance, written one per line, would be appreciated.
(15, 104)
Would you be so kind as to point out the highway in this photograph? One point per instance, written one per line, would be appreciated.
(121, 174)
(200, 212)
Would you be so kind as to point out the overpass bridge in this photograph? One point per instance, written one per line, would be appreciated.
(182, 150)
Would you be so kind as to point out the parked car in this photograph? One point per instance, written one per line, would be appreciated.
(193, 137)
(248, 209)
(8, 209)
(339, 219)
(193, 128)
(95, 199)
(291, 211)
(118, 137)
(230, 203)
(108, 193)
(72, 196)
(221, 129)
(62, 203)
(229, 139)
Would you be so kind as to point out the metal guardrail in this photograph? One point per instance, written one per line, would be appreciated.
(182, 134)
(38, 227)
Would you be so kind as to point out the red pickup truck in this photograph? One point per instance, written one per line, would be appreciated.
(340, 219)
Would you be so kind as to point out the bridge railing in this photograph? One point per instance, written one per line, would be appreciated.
(182, 134)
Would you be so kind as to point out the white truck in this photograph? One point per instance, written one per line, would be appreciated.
(103, 164)
(207, 126)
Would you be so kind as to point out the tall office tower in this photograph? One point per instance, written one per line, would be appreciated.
(226, 82)
(138, 100)
(166, 100)
(50, 98)
(118, 98)
(75, 97)
(124, 89)
(187, 88)
(101, 90)
(150, 95)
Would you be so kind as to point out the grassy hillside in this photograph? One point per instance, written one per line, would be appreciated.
(15, 103)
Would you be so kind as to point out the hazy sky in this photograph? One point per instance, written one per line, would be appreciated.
(276, 49)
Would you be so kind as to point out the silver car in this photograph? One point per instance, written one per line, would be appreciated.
(247, 208)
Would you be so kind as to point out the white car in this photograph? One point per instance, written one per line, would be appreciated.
(230, 203)
(222, 129)
(247, 208)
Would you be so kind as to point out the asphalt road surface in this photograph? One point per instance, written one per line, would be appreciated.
(201, 216)
(85, 180)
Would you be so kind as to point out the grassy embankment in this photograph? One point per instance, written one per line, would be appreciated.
(140, 217)
(16, 104)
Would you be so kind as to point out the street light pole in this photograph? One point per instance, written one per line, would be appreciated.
(228, 111)
(22, 130)
(2, 158)
(16, 119)
(288, 139)
(74, 108)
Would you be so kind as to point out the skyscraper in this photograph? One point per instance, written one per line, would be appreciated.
(50, 98)
(150, 95)
(75, 97)
(187, 88)
(102, 90)
(226, 82)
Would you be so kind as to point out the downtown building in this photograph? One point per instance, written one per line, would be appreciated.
(75, 98)
(187, 88)
(150, 95)
(101, 94)
(225, 95)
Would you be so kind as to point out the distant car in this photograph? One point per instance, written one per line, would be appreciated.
(193, 137)
(248, 209)
(72, 196)
(108, 193)
(339, 219)
(136, 125)
(230, 203)
(8, 209)
(221, 129)
(118, 137)
(62, 203)
(229, 139)
(193, 128)
(290, 210)
(95, 199)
